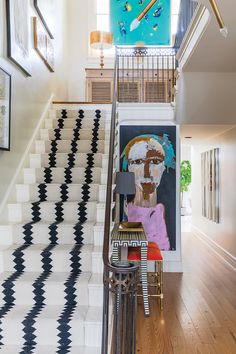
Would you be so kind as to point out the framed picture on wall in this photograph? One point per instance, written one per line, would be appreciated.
(45, 10)
(210, 185)
(5, 109)
(148, 22)
(18, 45)
(43, 44)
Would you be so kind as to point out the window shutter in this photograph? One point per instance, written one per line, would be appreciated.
(155, 92)
(128, 92)
(101, 91)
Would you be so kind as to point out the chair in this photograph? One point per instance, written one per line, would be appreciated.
(153, 255)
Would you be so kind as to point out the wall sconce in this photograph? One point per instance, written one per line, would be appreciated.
(101, 40)
(223, 28)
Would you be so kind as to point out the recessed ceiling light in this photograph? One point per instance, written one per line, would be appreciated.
(188, 137)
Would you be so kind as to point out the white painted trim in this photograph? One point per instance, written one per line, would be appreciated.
(193, 35)
(146, 113)
(24, 156)
(224, 255)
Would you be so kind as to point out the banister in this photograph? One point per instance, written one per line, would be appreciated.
(114, 283)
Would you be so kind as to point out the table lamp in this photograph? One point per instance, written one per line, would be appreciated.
(101, 40)
(125, 185)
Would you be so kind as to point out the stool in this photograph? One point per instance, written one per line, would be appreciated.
(153, 255)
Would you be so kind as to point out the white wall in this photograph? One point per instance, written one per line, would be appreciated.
(81, 21)
(206, 98)
(223, 234)
(30, 95)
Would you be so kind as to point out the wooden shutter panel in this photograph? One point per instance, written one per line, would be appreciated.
(101, 91)
(155, 92)
(128, 92)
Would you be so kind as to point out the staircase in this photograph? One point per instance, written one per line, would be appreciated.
(51, 287)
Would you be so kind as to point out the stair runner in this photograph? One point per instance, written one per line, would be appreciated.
(49, 300)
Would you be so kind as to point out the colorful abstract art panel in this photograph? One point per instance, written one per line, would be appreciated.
(150, 152)
(137, 22)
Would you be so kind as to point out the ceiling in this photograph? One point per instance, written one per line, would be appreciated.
(215, 53)
(201, 133)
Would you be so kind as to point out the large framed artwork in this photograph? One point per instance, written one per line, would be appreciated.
(43, 44)
(140, 21)
(5, 109)
(210, 185)
(45, 10)
(18, 47)
(150, 152)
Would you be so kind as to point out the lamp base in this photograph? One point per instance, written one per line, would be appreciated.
(101, 59)
(224, 31)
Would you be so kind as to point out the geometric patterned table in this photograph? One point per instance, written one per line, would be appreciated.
(132, 237)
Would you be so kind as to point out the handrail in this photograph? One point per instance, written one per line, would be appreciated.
(106, 240)
(114, 283)
(187, 10)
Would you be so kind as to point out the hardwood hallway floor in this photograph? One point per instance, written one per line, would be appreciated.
(199, 315)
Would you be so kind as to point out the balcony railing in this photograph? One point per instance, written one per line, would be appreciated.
(145, 74)
(187, 10)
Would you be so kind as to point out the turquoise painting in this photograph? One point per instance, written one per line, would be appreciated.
(145, 21)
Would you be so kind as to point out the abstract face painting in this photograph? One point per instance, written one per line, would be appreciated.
(149, 156)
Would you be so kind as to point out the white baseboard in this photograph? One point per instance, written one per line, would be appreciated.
(24, 157)
(173, 267)
(224, 255)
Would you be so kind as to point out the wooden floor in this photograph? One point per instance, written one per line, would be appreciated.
(199, 313)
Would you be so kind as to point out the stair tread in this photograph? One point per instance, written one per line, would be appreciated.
(49, 312)
(57, 248)
(59, 184)
(55, 277)
(55, 202)
(46, 223)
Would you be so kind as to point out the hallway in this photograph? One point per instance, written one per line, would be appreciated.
(199, 314)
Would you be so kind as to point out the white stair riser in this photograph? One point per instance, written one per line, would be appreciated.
(101, 212)
(93, 334)
(47, 212)
(98, 233)
(97, 263)
(61, 261)
(96, 295)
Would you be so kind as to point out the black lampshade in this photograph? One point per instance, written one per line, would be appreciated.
(125, 183)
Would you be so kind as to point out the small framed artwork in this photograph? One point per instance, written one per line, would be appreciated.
(18, 45)
(45, 10)
(5, 109)
(210, 185)
(43, 44)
